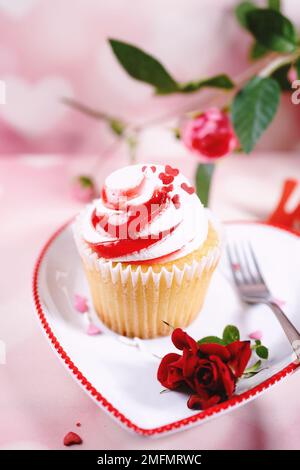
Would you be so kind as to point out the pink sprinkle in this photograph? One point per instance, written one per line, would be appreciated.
(144, 168)
(256, 335)
(93, 330)
(236, 267)
(279, 302)
(153, 168)
(80, 303)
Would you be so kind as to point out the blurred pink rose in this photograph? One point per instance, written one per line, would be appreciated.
(292, 75)
(210, 134)
(83, 189)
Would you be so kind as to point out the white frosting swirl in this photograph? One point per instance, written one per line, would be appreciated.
(184, 225)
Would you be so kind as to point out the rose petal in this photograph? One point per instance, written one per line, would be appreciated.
(196, 402)
(163, 371)
(225, 376)
(240, 352)
(190, 362)
(213, 348)
(182, 340)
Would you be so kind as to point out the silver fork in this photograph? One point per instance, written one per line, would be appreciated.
(254, 290)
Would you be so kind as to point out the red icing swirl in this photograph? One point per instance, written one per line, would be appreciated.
(127, 212)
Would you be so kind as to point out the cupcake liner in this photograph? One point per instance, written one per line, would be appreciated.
(136, 300)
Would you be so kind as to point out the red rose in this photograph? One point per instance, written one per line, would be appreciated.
(209, 370)
(210, 134)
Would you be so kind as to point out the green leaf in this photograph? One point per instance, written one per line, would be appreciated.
(253, 370)
(231, 334)
(281, 76)
(258, 50)
(176, 132)
(253, 109)
(219, 81)
(262, 352)
(274, 4)
(271, 29)
(143, 67)
(204, 176)
(212, 339)
(297, 67)
(86, 181)
(242, 10)
(258, 342)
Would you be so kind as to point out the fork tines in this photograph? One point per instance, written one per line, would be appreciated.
(243, 263)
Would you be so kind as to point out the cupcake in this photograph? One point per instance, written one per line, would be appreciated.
(149, 250)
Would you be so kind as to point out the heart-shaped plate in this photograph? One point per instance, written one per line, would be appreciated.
(120, 373)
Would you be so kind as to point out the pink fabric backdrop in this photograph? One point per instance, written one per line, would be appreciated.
(55, 48)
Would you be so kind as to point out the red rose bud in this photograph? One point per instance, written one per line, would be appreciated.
(83, 189)
(210, 135)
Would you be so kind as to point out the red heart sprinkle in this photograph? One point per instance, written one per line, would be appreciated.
(171, 171)
(78, 424)
(166, 179)
(71, 439)
(153, 168)
(188, 189)
(176, 201)
(168, 189)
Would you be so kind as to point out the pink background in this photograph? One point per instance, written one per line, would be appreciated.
(55, 48)
(58, 48)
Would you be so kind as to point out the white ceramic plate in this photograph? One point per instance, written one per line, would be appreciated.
(120, 374)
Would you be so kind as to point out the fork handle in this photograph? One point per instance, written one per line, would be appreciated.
(291, 332)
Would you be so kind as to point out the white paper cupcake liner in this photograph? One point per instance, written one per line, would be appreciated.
(116, 270)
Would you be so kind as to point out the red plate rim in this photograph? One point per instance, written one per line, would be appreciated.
(96, 395)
